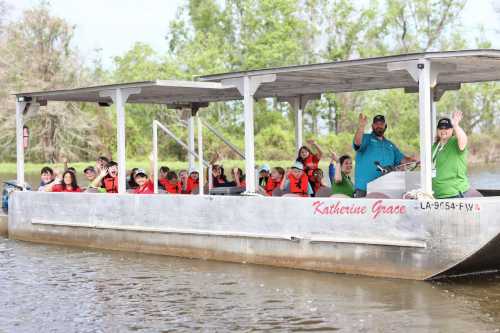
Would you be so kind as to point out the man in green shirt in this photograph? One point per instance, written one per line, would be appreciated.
(449, 159)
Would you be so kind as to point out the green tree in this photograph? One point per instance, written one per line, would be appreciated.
(39, 55)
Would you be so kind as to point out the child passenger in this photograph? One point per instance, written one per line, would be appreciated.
(274, 180)
(46, 178)
(162, 176)
(239, 178)
(101, 164)
(172, 184)
(193, 182)
(183, 180)
(317, 181)
(218, 177)
(263, 175)
(91, 176)
(68, 184)
(144, 184)
(296, 182)
(309, 160)
(131, 184)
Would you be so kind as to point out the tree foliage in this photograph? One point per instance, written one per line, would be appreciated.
(37, 55)
(213, 36)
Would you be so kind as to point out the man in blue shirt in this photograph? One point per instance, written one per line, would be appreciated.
(371, 148)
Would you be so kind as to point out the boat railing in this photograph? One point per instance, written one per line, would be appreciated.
(157, 125)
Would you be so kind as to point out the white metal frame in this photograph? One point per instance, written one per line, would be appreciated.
(247, 86)
(119, 97)
(298, 105)
(425, 72)
(20, 107)
(424, 68)
(157, 125)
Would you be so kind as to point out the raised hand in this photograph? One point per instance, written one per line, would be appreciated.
(334, 157)
(311, 142)
(456, 118)
(103, 173)
(363, 120)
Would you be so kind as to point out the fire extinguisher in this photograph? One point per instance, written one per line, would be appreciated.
(26, 136)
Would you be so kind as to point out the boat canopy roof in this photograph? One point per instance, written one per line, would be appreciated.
(151, 92)
(466, 66)
(372, 74)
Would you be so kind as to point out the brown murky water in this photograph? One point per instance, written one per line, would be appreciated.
(60, 289)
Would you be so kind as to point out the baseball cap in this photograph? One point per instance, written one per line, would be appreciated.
(298, 165)
(140, 172)
(193, 170)
(264, 167)
(444, 123)
(89, 168)
(378, 117)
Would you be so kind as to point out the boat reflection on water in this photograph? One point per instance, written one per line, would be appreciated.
(69, 289)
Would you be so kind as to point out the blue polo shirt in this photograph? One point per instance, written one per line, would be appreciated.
(372, 149)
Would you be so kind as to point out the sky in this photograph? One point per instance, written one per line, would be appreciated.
(113, 26)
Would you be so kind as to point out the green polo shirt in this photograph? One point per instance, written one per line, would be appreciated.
(344, 187)
(451, 170)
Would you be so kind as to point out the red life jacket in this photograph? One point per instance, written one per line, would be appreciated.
(59, 188)
(299, 186)
(111, 184)
(192, 184)
(173, 188)
(243, 184)
(270, 186)
(310, 163)
(147, 188)
(218, 181)
(316, 186)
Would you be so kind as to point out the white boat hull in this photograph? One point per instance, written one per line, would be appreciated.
(389, 238)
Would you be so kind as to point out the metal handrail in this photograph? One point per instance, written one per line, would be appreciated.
(220, 136)
(156, 125)
(179, 141)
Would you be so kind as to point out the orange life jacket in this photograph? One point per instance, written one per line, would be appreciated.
(111, 184)
(310, 163)
(270, 186)
(173, 188)
(299, 186)
(147, 188)
(192, 184)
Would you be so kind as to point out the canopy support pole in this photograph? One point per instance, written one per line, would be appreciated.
(190, 127)
(201, 174)
(155, 156)
(247, 86)
(425, 73)
(20, 107)
(425, 106)
(298, 105)
(298, 122)
(433, 117)
(120, 97)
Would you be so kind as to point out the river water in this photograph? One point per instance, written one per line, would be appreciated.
(61, 289)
